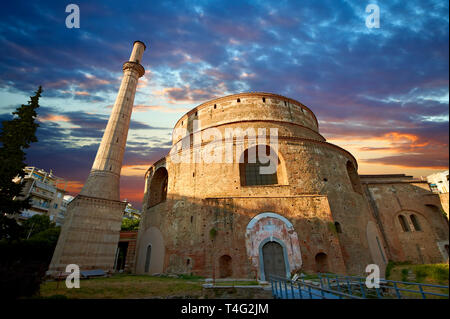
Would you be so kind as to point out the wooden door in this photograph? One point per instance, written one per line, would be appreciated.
(273, 258)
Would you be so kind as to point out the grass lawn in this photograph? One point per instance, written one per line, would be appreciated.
(126, 287)
(435, 274)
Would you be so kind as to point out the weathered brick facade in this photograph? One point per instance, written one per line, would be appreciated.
(201, 217)
(394, 195)
(128, 239)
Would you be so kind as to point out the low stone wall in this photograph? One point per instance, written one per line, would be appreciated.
(236, 292)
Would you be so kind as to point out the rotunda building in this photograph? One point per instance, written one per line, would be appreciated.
(251, 188)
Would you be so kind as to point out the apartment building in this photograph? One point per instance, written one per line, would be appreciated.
(46, 193)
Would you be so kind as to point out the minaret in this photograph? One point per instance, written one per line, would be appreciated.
(103, 181)
(91, 229)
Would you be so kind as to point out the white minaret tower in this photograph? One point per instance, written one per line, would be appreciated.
(91, 230)
(103, 181)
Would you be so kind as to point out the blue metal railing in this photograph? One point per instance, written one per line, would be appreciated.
(283, 288)
(387, 288)
(332, 286)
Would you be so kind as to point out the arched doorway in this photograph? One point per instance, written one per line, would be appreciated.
(273, 259)
(225, 268)
(322, 262)
(150, 252)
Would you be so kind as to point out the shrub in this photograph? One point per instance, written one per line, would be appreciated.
(23, 266)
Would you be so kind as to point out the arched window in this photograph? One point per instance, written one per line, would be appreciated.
(147, 258)
(321, 262)
(415, 222)
(403, 223)
(225, 268)
(338, 227)
(158, 187)
(354, 178)
(252, 169)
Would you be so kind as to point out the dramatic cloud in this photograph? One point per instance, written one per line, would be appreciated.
(383, 92)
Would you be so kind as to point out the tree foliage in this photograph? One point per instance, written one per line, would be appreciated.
(37, 224)
(16, 135)
(24, 262)
(130, 224)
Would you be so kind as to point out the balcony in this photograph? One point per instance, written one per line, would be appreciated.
(29, 213)
(44, 206)
(37, 192)
(47, 187)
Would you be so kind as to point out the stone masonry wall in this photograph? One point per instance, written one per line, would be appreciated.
(410, 198)
(314, 191)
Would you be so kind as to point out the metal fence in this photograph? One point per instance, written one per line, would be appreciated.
(283, 288)
(332, 286)
(388, 289)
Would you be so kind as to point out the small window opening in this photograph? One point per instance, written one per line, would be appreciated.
(415, 223)
(264, 100)
(215, 106)
(338, 227)
(403, 223)
(238, 100)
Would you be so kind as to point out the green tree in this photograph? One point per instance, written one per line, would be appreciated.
(130, 224)
(49, 236)
(16, 135)
(36, 224)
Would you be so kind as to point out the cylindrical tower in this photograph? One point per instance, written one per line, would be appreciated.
(200, 215)
(91, 227)
(103, 181)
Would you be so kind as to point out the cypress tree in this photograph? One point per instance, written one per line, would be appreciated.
(16, 135)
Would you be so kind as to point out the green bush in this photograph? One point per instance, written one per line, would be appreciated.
(435, 272)
(212, 233)
(392, 264)
(23, 266)
(404, 274)
(130, 224)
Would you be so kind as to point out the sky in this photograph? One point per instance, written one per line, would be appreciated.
(381, 93)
